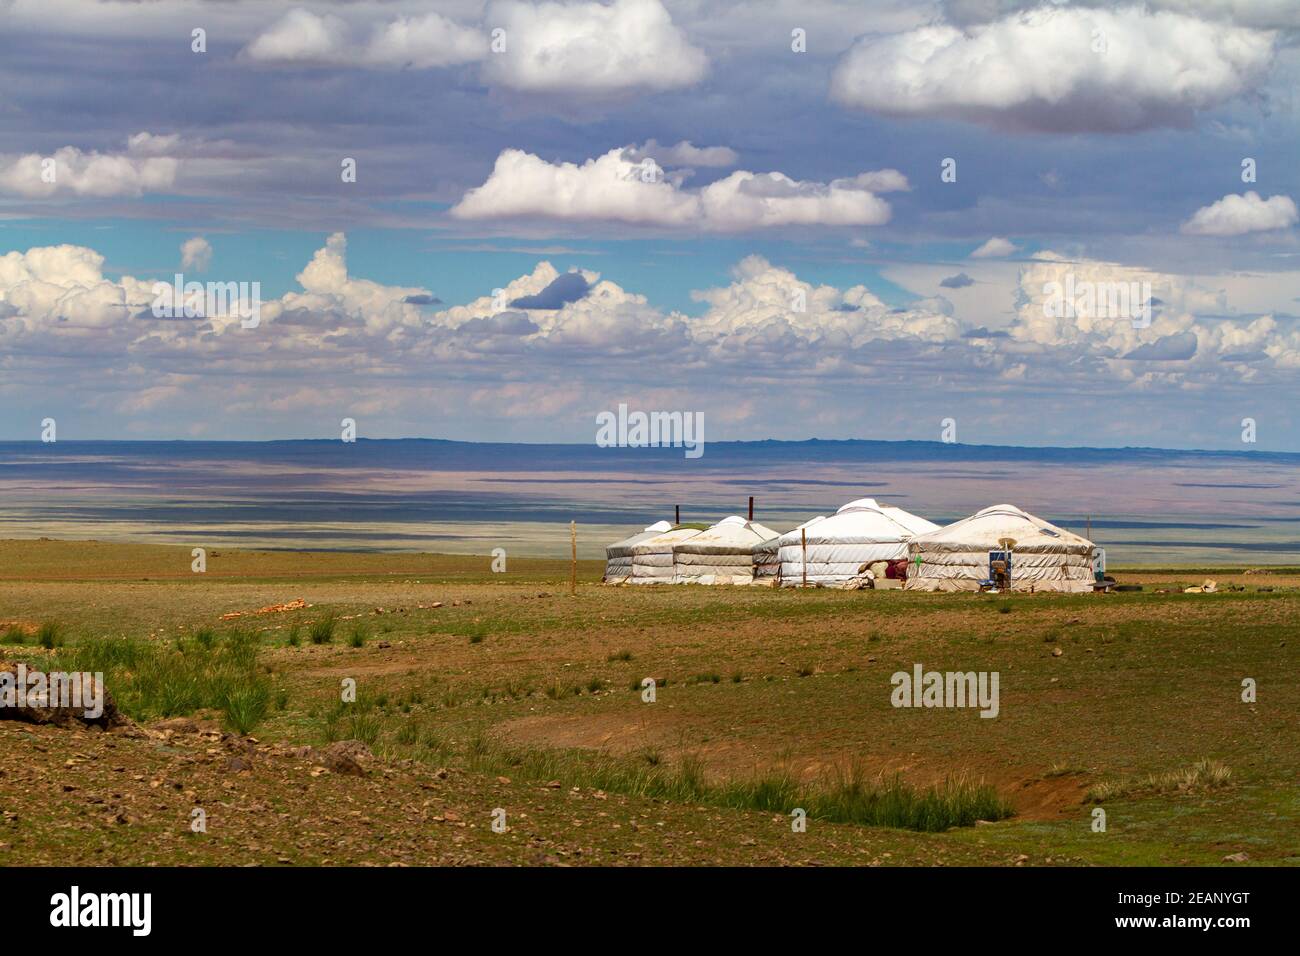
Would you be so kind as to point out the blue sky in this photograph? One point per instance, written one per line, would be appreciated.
(764, 233)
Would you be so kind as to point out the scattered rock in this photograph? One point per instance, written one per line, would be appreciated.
(177, 725)
(345, 757)
(39, 709)
(1236, 858)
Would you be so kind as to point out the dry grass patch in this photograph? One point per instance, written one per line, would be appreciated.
(1203, 775)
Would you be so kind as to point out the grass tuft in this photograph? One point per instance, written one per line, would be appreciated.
(1203, 775)
(322, 631)
(49, 635)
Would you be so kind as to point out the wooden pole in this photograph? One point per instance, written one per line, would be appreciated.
(573, 566)
(803, 543)
(1089, 534)
(678, 519)
(751, 507)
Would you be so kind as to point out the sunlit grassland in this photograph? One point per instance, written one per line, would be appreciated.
(766, 699)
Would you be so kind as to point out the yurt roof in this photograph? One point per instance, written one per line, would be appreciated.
(865, 522)
(664, 541)
(990, 527)
(773, 543)
(625, 545)
(730, 534)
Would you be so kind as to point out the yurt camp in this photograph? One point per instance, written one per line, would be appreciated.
(724, 554)
(767, 555)
(618, 556)
(1000, 547)
(858, 540)
(652, 558)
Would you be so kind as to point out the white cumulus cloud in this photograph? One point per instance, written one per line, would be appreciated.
(196, 254)
(70, 171)
(585, 47)
(613, 187)
(1235, 215)
(1057, 69)
(300, 36)
(995, 248)
(417, 42)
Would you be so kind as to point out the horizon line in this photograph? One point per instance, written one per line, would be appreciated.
(740, 441)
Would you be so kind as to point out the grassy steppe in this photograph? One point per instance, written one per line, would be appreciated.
(515, 695)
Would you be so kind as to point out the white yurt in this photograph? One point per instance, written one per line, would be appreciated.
(618, 556)
(860, 534)
(652, 558)
(724, 554)
(767, 556)
(960, 557)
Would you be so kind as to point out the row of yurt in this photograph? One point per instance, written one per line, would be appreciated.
(723, 553)
(863, 543)
(647, 556)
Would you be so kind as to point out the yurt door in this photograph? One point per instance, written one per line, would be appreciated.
(1099, 563)
(1000, 569)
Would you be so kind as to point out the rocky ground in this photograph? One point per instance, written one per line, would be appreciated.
(83, 796)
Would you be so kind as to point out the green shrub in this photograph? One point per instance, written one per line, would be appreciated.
(245, 706)
(156, 679)
(49, 636)
(322, 631)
